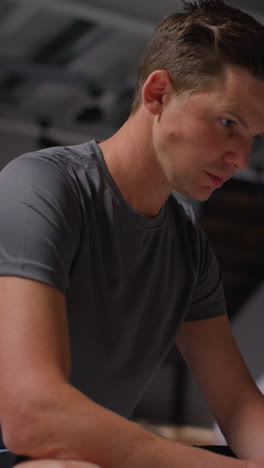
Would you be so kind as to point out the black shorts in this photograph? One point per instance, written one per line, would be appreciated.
(8, 459)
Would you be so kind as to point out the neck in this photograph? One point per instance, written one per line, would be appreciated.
(130, 158)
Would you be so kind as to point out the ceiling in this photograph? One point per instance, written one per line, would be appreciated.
(67, 67)
(67, 73)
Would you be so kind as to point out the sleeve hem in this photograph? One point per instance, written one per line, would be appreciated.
(31, 272)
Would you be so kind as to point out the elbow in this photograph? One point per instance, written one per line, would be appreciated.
(24, 432)
(20, 432)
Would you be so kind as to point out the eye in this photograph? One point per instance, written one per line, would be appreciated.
(229, 123)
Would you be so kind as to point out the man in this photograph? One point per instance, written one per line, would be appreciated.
(102, 268)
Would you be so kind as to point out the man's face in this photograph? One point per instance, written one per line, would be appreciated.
(201, 141)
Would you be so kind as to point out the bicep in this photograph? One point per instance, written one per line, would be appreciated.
(209, 348)
(34, 343)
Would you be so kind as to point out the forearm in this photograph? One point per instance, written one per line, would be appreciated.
(72, 427)
(56, 464)
(244, 431)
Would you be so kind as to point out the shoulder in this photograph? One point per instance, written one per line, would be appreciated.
(60, 157)
(53, 168)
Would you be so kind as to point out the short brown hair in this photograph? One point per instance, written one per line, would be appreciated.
(195, 46)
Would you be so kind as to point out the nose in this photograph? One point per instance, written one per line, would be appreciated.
(238, 157)
(237, 161)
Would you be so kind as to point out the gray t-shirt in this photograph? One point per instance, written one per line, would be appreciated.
(129, 280)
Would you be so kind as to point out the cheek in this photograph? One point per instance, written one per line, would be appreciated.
(170, 127)
(164, 136)
(203, 139)
(188, 135)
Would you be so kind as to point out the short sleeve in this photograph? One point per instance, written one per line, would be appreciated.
(40, 220)
(208, 296)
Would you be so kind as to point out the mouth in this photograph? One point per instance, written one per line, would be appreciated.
(217, 181)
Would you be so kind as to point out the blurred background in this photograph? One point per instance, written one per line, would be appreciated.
(67, 74)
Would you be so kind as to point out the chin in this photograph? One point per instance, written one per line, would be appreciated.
(204, 196)
(199, 197)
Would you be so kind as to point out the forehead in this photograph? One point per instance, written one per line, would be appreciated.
(238, 80)
(243, 94)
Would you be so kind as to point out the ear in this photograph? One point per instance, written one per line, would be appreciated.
(156, 90)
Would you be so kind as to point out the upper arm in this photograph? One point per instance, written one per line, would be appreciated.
(34, 344)
(209, 348)
(40, 219)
